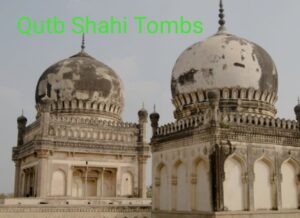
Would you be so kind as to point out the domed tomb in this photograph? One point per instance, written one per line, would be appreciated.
(81, 83)
(235, 67)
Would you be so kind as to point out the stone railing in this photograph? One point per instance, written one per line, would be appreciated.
(259, 121)
(181, 125)
(91, 121)
(74, 201)
(227, 120)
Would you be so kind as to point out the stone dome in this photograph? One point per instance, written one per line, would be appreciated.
(224, 60)
(82, 82)
(241, 71)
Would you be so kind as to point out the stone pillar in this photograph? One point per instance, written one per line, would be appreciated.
(142, 161)
(99, 185)
(193, 187)
(251, 178)
(69, 181)
(17, 178)
(277, 178)
(102, 181)
(42, 187)
(217, 160)
(173, 194)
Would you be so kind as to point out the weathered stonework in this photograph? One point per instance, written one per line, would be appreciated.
(226, 155)
(78, 158)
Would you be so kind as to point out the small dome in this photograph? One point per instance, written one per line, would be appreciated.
(22, 119)
(297, 108)
(224, 61)
(81, 78)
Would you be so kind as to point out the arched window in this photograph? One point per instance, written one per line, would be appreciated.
(181, 187)
(202, 187)
(263, 196)
(163, 189)
(289, 185)
(58, 183)
(109, 184)
(127, 184)
(234, 187)
(77, 184)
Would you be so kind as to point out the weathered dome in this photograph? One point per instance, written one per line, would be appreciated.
(243, 74)
(84, 80)
(224, 61)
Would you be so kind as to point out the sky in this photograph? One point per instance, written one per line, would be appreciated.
(143, 61)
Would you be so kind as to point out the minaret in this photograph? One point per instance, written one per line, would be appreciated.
(143, 119)
(154, 117)
(22, 121)
(142, 159)
(297, 112)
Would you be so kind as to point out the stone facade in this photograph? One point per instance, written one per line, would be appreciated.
(78, 158)
(70, 208)
(227, 154)
(75, 150)
(241, 163)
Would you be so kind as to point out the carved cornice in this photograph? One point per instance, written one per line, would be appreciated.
(78, 146)
(231, 99)
(80, 208)
(42, 153)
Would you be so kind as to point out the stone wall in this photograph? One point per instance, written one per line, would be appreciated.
(241, 214)
(51, 211)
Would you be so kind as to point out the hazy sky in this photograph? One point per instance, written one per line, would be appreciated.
(143, 61)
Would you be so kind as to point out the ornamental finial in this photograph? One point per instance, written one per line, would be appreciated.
(221, 16)
(83, 43)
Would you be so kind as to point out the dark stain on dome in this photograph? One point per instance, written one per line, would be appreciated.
(187, 77)
(80, 75)
(268, 80)
(174, 89)
(231, 38)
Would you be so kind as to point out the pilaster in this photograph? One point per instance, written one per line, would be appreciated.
(142, 161)
(17, 178)
(42, 186)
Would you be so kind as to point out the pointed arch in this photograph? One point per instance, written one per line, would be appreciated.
(201, 185)
(162, 187)
(263, 184)
(179, 186)
(58, 183)
(289, 184)
(127, 184)
(77, 183)
(234, 185)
